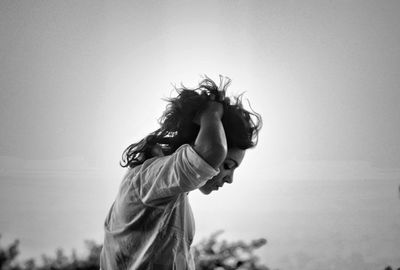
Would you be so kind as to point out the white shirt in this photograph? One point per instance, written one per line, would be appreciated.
(150, 224)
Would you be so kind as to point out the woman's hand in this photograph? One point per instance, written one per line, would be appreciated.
(211, 143)
(213, 109)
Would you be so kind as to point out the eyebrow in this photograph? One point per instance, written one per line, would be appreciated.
(236, 163)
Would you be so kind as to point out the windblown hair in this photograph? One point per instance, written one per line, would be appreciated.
(177, 126)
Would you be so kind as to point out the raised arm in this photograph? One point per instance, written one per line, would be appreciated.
(210, 143)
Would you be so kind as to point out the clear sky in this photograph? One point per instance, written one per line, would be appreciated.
(81, 80)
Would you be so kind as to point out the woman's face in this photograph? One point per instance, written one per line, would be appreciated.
(226, 169)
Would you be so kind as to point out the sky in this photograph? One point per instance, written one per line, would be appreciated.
(81, 80)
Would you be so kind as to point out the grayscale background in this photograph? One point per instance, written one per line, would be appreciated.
(81, 80)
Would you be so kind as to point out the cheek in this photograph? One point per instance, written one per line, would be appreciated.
(220, 176)
(215, 179)
(206, 189)
(209, 183)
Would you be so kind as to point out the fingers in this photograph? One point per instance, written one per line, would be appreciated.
(219, 96)
(204, 94)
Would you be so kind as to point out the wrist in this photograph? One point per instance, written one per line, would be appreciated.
(210, 117)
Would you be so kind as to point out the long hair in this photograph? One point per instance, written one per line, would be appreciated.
(177, 126)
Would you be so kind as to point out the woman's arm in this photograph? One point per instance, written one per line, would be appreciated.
(211, 143)
(158, 180)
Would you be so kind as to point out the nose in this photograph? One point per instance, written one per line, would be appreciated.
(228, 179)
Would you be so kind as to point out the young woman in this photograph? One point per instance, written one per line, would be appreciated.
(202, 140)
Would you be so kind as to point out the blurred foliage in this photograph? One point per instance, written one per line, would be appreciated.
(60, 261)
(8, 255)
(210, 254)
(214, 254)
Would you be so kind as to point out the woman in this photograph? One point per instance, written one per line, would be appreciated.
(202, 140)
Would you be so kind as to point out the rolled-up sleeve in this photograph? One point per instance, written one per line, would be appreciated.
(165, 177)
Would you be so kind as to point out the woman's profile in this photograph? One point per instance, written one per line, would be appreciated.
(202, 139)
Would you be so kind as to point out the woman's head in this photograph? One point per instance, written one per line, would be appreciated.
(177, 126)
(226, 170)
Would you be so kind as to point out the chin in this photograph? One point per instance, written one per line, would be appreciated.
(205, 191)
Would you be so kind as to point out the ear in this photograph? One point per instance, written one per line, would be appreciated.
(156, 151)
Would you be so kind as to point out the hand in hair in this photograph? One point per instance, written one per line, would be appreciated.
(214, 106)
(194, 117)
(210, 142)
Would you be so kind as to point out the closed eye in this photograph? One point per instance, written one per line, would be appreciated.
(229, 166)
